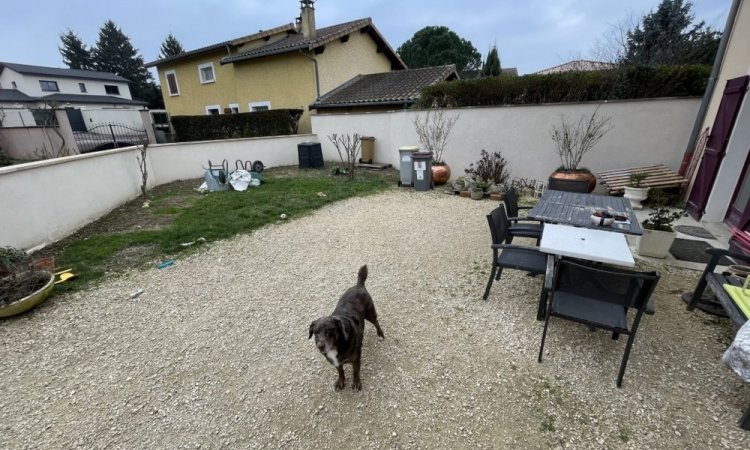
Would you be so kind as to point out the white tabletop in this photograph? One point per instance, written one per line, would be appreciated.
(585, 243)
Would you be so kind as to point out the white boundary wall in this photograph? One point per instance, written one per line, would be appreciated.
(645, 132)
(44, 201)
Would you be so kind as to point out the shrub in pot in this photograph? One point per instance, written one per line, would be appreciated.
(22, 286)
(658, 234)
(635, 191)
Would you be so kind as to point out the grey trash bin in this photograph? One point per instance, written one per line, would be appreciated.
(405, 169)
(422, 175)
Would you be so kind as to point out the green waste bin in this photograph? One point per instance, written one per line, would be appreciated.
(368, 149)
(405, 169)
(422, 174)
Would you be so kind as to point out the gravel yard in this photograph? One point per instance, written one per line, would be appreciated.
(214, 353)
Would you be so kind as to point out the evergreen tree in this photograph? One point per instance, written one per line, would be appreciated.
(664, 36)
(170, 47)
(433, 46)
(491, 66)
(114, 53)
(74, 52)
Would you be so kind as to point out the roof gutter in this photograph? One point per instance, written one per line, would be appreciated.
(711, 86)
(317, 78)
(405, 103)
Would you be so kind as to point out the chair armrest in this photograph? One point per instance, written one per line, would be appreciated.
(525, 219)
(524, 207)
(717, 253)
(516, 247)
(550, 273)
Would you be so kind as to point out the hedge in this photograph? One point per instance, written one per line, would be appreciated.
(627, 83)
(230, 126)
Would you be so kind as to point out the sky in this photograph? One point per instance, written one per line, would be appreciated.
(530, 35)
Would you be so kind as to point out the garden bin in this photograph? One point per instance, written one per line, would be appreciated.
(405, 169)
(368, 149)
(422, 175)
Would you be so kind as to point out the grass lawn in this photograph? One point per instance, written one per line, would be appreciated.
(134, 236)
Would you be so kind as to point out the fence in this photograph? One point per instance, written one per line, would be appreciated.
(106, 136)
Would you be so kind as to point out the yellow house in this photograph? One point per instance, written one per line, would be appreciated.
(289, 66)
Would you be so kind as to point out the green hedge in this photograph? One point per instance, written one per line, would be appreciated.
(230, 126)
(626, 83)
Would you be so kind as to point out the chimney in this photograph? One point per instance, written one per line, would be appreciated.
(307, 18)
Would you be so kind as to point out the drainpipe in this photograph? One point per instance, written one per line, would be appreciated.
(317, 80)
(711, 86)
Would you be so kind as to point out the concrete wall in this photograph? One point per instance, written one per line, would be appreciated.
(29, 143)
(645, 132)
(129, 117)
(47, 200)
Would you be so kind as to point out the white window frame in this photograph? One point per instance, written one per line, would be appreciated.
(200, 72)
(210, 107)
(176, 83)
(234, 106)
(251, 105)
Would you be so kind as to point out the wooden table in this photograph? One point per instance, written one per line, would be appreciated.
(585, 243)
(574, 208)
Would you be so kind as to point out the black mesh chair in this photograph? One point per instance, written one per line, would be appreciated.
(568, 185)
(599, 297)
(520, 226)
(528, 259)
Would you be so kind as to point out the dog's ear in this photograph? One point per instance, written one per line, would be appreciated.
(312, 325)
(340, 328)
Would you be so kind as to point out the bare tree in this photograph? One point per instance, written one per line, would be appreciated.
(613, 45)
(143, 150)
(348, 146)
(433, 130)
(576, 137)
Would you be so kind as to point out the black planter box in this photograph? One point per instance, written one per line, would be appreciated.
(310, 155)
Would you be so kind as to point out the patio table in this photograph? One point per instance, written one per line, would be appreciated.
(575, 208)
(585, 243)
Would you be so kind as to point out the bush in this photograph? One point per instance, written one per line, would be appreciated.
(275, 122)
(627, 83)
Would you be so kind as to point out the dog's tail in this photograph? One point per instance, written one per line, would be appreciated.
(362, 275)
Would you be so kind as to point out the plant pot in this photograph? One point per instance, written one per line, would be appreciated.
(636, 196)
(441, 173)
(655, 243)
(575, 175)
(496, 188)
(29, 301)
(477, 195)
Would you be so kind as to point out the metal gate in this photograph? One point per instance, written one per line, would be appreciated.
(106, 136)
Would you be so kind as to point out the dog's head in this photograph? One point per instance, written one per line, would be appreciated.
(328, 331)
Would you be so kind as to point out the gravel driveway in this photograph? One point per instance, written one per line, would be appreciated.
(215, 354)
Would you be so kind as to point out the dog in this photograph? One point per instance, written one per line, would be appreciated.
(339, 336)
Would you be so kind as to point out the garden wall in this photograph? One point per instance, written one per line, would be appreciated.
(42, 202)
(645, 132)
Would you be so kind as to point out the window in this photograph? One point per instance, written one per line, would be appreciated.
(82, 86)
(172, 87)
(49, 86)
(13, 83)
(213, 109)
(234, 108)
(112, 90)
(44, 117)
(206, 72)
(259, 106)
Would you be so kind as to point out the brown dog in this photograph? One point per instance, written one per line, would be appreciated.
(339, 336)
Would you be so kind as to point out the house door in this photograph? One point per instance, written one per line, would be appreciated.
(75, 117)
(734, 92)
(739, 209)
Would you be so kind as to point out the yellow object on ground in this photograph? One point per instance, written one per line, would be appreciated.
(741, 298)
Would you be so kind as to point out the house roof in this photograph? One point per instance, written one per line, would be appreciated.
(400, 87)
(62, 73)
(578, 65)
(213, 47)
(78, 98)
(14, 95)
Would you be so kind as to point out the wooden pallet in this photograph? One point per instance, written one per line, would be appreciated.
(659, 176)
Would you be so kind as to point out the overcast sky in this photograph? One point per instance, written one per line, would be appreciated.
(530, 34)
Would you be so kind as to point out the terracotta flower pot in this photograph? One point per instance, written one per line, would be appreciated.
(441, 173)
(575, 175)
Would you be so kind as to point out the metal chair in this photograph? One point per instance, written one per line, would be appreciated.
(520, 226)
(598, 297)
(568, 185)
(528, 259)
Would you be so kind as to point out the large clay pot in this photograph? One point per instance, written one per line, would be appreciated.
(575, 175)
(441, 173)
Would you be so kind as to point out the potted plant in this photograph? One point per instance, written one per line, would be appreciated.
(459, 183)
(21, 285)
(658, 234)
(635, 191)
(491, 167)
(477, 191)
(573, 139)
(433, 130)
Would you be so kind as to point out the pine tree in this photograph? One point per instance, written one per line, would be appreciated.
(170, 47)
(437, 45)
(74, 52)
(114, 53)
(491, 67)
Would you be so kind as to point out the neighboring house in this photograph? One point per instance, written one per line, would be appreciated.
(720, 184)
(383, 91)
(578, 65)
(289, 66)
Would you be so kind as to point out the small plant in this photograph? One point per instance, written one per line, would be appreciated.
(433, 130)
(459, 183)
(12, 260)
(662, 216)
(489, 168)
(574, 138)
(18, 278)
(636, 179)
(480, 186)
(348, 146)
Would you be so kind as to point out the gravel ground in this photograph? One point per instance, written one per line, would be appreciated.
(215, 354)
